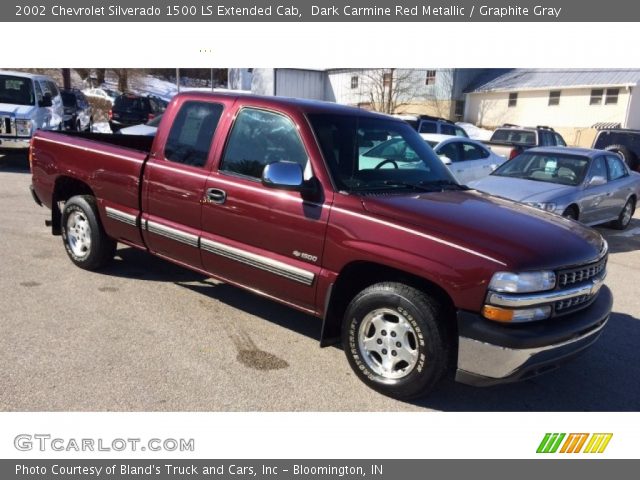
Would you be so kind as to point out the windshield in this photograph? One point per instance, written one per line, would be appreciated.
(510, 135)
(16, 90)
(545, 167)
(376, 154)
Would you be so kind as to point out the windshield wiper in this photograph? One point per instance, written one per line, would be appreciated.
(386, 184)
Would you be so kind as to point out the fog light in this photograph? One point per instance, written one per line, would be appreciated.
(507, 315)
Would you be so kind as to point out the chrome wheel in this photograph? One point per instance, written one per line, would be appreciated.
(388, 343)
(79, 234)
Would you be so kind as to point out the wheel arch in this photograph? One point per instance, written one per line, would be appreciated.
(64, 188)
(358, 275)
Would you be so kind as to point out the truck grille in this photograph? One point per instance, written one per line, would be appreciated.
(567, 278)
(5, 126)
(570, 303)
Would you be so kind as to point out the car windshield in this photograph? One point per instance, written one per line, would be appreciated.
(16, 90)
(511, 135)
(68, 99)
(546, 167)
(372, 154)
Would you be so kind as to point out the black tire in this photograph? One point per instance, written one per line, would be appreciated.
(427, 340)
(90, 125)
(626, 214)
(84, 239)
(571, 212)
(78, 127)
(630, 158)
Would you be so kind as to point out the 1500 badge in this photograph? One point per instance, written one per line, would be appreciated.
(305, 256)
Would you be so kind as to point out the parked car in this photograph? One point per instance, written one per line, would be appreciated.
(417, 275)
(28, 102)
(467, 159)
(588, 185)
(130, 109)
(148, 129)
(101, 93)
(511, 140)
(622, 141)
(429, 124)
(78, 114)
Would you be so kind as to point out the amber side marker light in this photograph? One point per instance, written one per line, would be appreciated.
(497, 314)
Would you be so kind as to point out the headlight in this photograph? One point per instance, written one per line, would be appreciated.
(23, 127)
(509, 282)
(549, 207)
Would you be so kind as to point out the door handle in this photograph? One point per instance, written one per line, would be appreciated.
(215, 195)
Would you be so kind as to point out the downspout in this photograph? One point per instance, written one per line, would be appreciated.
(628, 112)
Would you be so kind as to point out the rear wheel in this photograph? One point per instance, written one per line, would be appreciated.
(624, 219)
(85, 241)
(396, 340)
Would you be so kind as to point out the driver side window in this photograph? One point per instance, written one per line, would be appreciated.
(450, 150)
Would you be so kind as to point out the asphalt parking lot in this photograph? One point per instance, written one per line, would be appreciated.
(145, 335)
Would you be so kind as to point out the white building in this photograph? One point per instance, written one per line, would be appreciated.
(437, 91)
(574, 101)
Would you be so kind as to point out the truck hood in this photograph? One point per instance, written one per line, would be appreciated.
(518, 236)
(521, 190)
(18, 111)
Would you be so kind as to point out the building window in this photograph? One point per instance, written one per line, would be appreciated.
(430, 78)
(386, 79)
(596, 96)
(611, 98)
(554, 97)
(354, 81)
(459, 111)
(513, 99)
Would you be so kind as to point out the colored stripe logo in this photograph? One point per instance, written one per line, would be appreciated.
(574, 443)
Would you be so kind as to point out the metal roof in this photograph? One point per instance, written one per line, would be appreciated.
(543, 79)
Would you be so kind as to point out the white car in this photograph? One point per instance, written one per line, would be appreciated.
(467, 159)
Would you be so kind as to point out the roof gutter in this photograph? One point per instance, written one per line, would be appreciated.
(553, 87)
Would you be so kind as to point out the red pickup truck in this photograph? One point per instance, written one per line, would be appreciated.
(417, 276)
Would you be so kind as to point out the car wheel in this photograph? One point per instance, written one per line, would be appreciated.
(78, 127)
(85, 241)
(396, 340)
(624, 219)
(571, 212)
(90, 125)
(627, 155)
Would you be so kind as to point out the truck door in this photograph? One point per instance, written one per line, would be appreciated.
(267, 239)
(174, 181)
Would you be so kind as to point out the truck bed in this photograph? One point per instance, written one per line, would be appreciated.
(141, 143)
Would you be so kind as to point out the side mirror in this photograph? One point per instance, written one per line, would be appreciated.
(597, 181)
(46, 101)
(446, 160)
(284, 176)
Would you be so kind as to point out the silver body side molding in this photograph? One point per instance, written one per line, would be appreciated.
(172, 233)
(258, 261)
(121, 216)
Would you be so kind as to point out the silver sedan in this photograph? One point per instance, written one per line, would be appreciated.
(592, 186)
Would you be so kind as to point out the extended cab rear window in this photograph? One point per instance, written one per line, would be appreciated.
(192, 132)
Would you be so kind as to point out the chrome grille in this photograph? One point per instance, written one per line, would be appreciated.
(563, 305)
(581, 274)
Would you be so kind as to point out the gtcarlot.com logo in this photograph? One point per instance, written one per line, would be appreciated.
(574, 443)
(45, 442)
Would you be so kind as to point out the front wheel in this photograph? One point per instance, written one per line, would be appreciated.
(396, 340)
(85, 241)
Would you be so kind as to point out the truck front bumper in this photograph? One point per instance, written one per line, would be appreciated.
(14, 143)
(490, 353)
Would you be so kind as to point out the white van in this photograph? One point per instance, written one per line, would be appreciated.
(28, 102)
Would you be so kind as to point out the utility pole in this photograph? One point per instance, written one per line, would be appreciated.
(66, 78)
(178, 79)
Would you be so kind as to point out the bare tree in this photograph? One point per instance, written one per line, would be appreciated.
(390, 89)
(100, 74)
(123, 78)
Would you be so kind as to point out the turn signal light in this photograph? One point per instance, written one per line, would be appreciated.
(497, 314)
